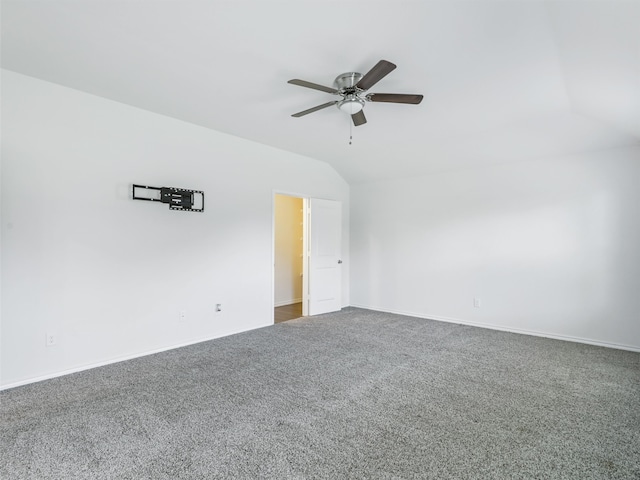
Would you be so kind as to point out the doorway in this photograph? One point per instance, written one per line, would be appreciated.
(289, 234)
(307, 241)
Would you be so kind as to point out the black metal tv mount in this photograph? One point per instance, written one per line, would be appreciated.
(177, 198)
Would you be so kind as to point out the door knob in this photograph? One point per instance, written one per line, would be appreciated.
(339, 261)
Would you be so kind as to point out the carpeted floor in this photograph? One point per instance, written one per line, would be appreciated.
(355, 394)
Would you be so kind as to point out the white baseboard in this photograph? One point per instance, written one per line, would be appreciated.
(113, 360)
(377, 309)
(490, 326)
(287, 302)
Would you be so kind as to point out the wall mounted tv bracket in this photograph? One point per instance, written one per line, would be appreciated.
(177, 198)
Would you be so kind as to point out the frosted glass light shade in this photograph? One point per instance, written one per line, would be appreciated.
(351, 105)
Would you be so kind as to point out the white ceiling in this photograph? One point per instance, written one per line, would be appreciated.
(503, 80)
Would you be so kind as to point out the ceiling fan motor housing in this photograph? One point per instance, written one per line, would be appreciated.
(347, 81)
(346, 85)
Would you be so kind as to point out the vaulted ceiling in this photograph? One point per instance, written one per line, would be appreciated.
(503, 81)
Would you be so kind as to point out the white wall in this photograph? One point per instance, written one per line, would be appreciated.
(549, 247)
(108, 275)
(288, 249)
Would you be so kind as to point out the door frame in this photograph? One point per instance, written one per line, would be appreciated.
(305, 245)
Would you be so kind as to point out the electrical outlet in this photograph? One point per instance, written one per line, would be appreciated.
(218, 307)
(182, 316)
(476, 302)
(50, 339)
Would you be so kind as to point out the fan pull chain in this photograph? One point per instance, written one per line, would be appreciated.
(350, 130)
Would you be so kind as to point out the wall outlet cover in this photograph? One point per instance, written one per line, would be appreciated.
(50, 339)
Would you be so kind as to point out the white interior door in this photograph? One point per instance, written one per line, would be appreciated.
(324, 252)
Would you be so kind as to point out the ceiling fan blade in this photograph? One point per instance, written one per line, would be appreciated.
(377, 73)
(394, 98)
(314, 109)
(359, 118)
(315, 86)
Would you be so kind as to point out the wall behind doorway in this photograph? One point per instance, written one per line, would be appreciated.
(288, 250)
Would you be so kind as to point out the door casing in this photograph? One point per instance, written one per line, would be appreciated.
(305, 246)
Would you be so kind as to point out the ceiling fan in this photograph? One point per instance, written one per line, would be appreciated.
(352, 87)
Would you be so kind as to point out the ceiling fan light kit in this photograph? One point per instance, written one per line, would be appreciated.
(352, 87)
(351, 104)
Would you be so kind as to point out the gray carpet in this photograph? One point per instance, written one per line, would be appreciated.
(356, 394)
